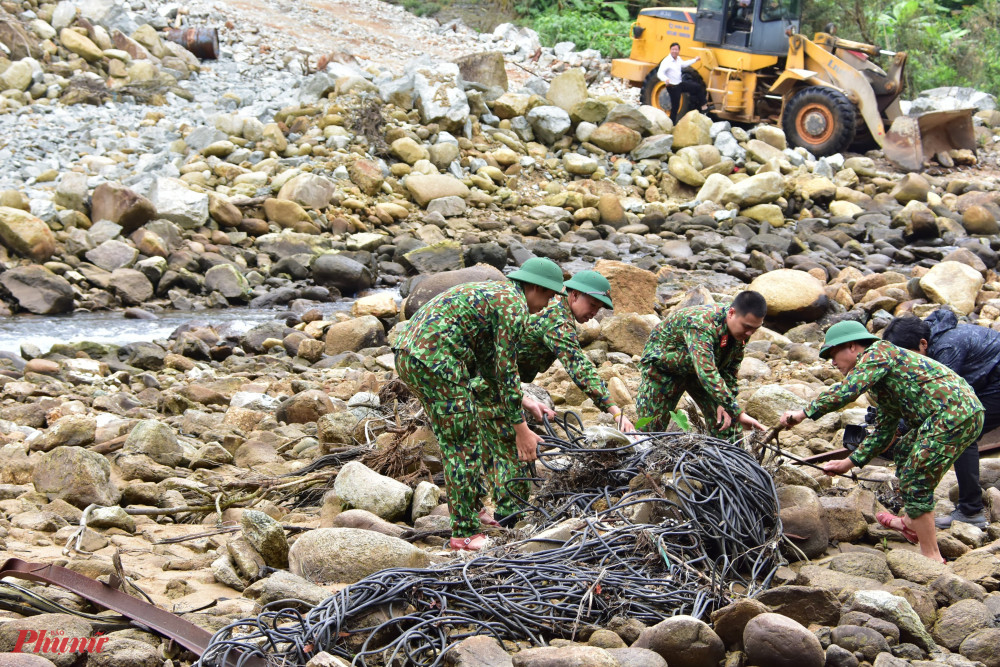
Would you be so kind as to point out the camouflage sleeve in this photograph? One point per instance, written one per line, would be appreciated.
(511, 318)
(867, 372)
(699, 343)
(730, 370)
(564, 343)
(880, 439)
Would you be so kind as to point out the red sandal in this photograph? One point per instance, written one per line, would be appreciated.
(487, 519)
(889, 520)
(471, 543)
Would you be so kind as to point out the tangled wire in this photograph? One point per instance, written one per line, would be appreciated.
(669, 524)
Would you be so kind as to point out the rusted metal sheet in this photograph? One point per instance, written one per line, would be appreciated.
(202, 42)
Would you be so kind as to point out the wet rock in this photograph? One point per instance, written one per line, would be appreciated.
(683, 641)
(26, 234)
(361, 488)
(791, 295)
(156, 440)
(865, 641)
(778, 641)
(344, 273)
(345, 555)
(437, 257)
(954, 284)
(78, 476)
(266, 536)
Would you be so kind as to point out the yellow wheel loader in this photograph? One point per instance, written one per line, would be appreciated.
(827, 94)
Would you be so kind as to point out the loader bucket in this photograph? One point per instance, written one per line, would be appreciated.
(912, 139)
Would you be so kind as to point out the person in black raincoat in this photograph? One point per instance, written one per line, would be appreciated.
(974, 353)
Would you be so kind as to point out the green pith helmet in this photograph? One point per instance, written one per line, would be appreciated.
(844, 332)
(592, 284)
(542, 272)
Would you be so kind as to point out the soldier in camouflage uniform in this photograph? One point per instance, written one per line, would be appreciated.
(941, 408)
(699, 350)
(472, 326)
(549, 335)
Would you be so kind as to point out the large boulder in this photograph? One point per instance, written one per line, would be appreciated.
(433, 285)
(694, 129)
(549, 123)
(615, 138)
(894, 609)
(444, 255)
(801, 518)
(633, 290)
(54, 625)
(954, 284)
(355, 335)
(26, 235)
(770, 401)
(360, 487)
(778, 641)
(628, 333)
(439, 95)
(487, 69)
(38, 290)
(228, 281)
(792, 296)
(567, 89)
(347, 555)
(77, 475)
(266, 536)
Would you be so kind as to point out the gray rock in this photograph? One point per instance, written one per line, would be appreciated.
(225, 572)
(125, 652)
(78, 476)
(347, 275)
(778, 641)
(38, 290)
(439, 96)
(449, 207)
(156, 440)
(950, 98)
(960, 620)
(362, 488)
(637, 657)
(478, 651)
(177, 203)
(309, 190)
(426, 497)
(683, 641)
(801, 517)
(132, 287)
(866, 641)
(347, 555)
(433, 285)
(266, 536)
(71, 191)
(655, 147)
(365, 520)
(897, 611)
(557, 656)
(549, 123)
(283, 585)
(803, 604)
(111, 14)
(111, 517)
(437, 257)
(228, 281)
(984, 646)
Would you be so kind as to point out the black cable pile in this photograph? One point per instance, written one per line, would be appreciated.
(671, 524)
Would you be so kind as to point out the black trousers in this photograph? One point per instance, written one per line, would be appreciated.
(970, 494)
(676, 90)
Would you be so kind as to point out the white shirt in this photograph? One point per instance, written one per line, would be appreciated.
(670, 69)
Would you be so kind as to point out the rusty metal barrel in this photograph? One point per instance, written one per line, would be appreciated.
(202, 42)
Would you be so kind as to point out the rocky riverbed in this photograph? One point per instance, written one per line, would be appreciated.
(337, 152)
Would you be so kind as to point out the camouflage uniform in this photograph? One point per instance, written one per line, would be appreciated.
(471, 326)
(691, 350)
(942, 408)
(548, 335)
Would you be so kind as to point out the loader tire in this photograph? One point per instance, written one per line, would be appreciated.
(654, 92)
(819, 119)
